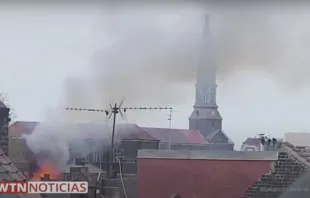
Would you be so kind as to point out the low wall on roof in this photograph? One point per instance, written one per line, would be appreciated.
(215, 155)
(199, 174)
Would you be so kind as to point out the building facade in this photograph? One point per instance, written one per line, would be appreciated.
(205, 117)
(4, 125)
(219, 174)
(251, 144)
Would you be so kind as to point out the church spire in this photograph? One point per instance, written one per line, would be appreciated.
(205, 117)
(206, 75)
(206, 28)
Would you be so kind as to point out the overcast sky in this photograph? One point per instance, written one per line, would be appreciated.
(53, 56)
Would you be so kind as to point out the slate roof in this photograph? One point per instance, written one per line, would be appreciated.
(301, 187)
(2, 105)
(9, 172)
(215, 132)
(252, 141)
(303, 153)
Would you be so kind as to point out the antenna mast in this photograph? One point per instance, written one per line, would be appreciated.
(114, 110)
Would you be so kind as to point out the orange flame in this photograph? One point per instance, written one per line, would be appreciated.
(46, 168)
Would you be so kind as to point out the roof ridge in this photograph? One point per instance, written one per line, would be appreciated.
(292, 150)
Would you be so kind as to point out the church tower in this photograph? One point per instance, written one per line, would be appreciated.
(206, 117)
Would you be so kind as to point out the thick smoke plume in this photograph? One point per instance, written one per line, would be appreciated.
(148, 57)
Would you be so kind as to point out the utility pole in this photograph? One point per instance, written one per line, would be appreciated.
(169, 129)
(114, 110)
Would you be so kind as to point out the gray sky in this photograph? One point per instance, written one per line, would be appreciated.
(58, 56)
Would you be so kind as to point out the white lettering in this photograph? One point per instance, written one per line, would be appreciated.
(21, 187)
(43, 187)
(13, 185)
(57, 187)
(4, 187)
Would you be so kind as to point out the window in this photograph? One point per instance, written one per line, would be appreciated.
(213, 95)
(206, 97)
(197, 113)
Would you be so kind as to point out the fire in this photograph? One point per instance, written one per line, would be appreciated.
(46, 168)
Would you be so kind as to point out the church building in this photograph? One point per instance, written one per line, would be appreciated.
(206, 117)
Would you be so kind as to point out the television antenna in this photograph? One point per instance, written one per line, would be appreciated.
(113, 111)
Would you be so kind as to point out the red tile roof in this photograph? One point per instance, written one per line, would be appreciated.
(193, 136)
(137, 133)
(123, 131)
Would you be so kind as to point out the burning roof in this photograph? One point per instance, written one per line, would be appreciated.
(46, 168)
(123, 131)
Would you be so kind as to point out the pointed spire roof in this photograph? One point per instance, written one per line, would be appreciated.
(206, 28)
(207, 46)
(206, 64)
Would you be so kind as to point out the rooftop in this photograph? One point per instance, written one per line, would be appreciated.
(252, 141)
(2, 105)
(298, 139)
(9, 172)
(211, 155)
(123, 132)
(178, 136)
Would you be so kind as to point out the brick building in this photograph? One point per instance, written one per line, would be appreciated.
(265, 174)
(221, 174)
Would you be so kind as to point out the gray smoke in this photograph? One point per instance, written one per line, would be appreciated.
(148, 57)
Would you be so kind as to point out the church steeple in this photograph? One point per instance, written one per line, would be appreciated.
(206, 77)
(205, 116)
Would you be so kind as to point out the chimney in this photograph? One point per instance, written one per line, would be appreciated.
(79, 161)
(46, 177)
